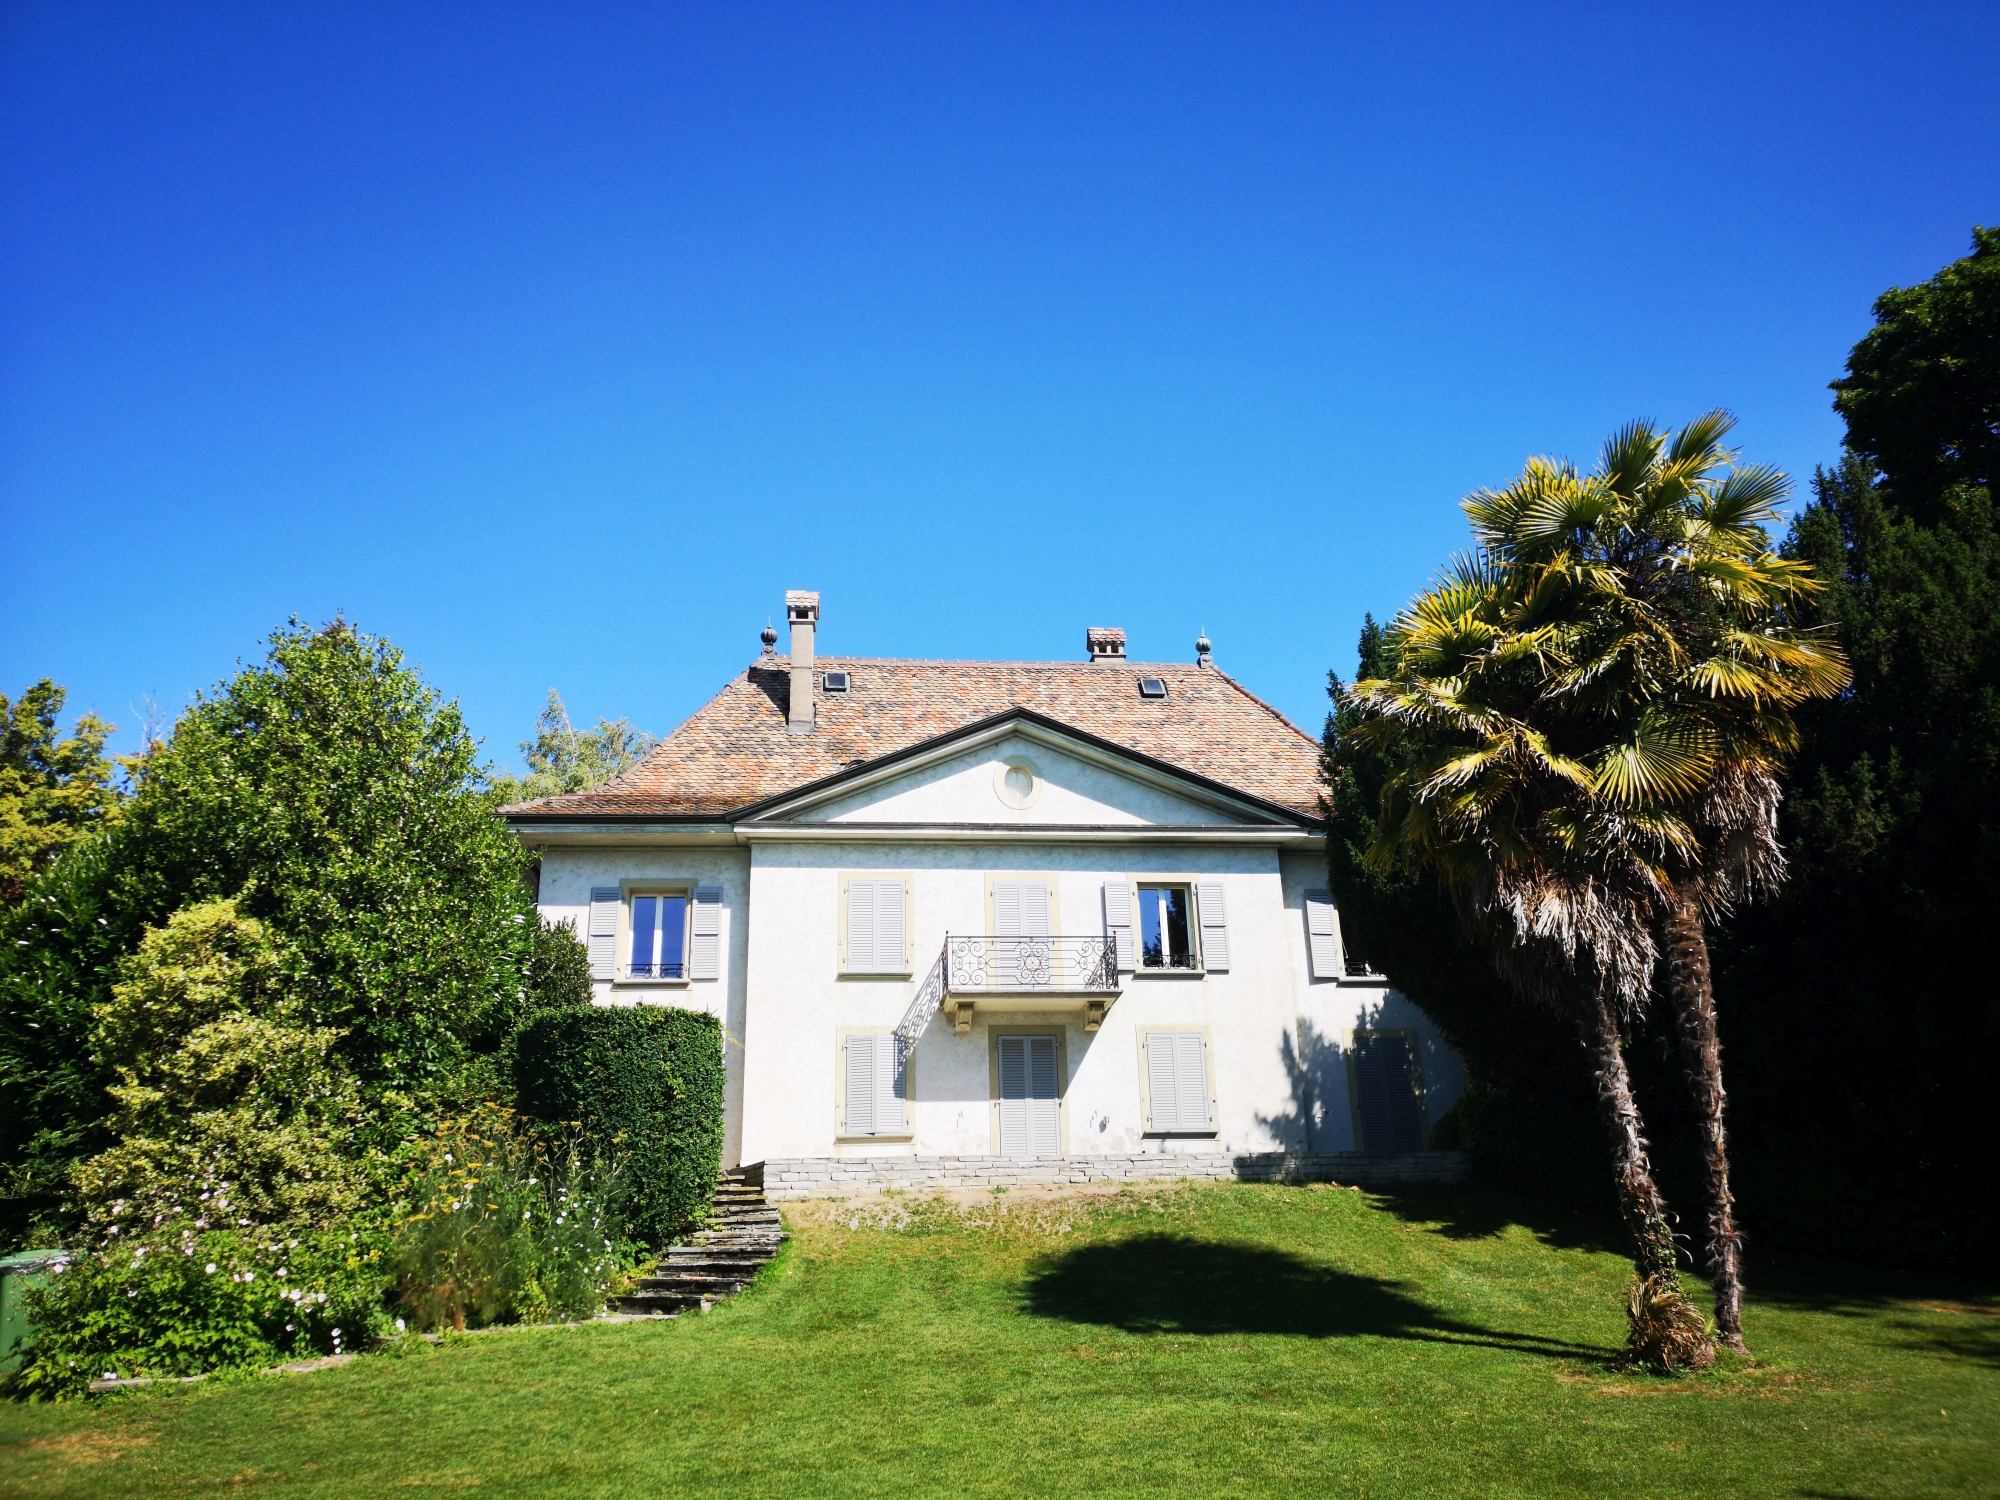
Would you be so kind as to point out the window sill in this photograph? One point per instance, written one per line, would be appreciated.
(651, 984)
(1170, 973)
(1179, 1135)
(866, 1140)
(875, 973)
(1374, 980)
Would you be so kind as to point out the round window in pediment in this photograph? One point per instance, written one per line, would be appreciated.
(1018, 780)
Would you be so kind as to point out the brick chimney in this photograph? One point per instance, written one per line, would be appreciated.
(802, 609)
(1106, 643)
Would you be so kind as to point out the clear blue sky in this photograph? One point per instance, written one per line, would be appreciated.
(555, 343)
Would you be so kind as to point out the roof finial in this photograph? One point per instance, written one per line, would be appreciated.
(769, 636)
(1202, 648)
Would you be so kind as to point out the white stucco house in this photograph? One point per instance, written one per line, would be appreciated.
(987, 922)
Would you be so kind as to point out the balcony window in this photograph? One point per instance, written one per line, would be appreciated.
(1165, 927)
(659, 936)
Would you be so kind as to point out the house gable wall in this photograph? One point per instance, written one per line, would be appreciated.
(1070, 790)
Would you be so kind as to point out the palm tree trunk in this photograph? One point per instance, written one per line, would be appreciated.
(1639, 1200)
(1701, 1055)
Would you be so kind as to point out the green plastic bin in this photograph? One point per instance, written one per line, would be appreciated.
(18, 1272)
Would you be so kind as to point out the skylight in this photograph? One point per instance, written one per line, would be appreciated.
(1152, 687)
(834, 682)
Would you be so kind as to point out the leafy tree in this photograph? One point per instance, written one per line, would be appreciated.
(1863, 998)
(562, 758)
(336, 799)
(52, 792)
(1922, 391)
(229, 1109)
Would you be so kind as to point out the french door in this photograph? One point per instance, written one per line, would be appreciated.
(1030, 1097)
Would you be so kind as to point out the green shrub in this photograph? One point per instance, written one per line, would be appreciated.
(645, 1084)
(230, 1111)
(500, 1227)
(182, 1301)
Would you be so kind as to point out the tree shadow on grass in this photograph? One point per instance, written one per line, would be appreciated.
(1175, 1284)
(1481, 1213)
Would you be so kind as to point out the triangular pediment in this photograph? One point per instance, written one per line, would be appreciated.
(1024, 771)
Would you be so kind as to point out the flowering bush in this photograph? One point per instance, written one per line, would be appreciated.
(499, 1227)
(178, 1300)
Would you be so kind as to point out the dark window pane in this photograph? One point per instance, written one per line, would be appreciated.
(1152, 954)
(673, 936)
(1386, 1094)
(642, 934)
(1180, 950)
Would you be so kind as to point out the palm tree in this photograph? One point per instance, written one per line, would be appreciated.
(1679, 669)
(1477, 795)
(1599, 702)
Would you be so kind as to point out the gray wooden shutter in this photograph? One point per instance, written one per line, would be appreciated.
(891, 938)
(604, 903)
(1006, 908)
(861, 924)
(1044, 1098)
(705, 952)
(1214, 927)
(1322, 941)
(1118, 920)
(1191, 1082)
(891, 1079)
(1177, 1082)
(860, 1063)
(1160, 1083)
(1013, 1096)
(1034, 908)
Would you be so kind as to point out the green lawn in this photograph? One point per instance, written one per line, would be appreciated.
(1211, 1341)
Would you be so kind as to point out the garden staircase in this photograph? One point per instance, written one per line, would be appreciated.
(742, 1236)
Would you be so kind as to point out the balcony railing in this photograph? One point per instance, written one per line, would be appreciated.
(996, 965)
(970, 967)
(656, 971)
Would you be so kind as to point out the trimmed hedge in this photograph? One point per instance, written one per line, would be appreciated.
(646, 1083)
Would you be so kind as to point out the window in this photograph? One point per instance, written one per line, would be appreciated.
(649, 934)
(875, 1077)
(835, 682)
(1388, 1091)
(877, 926)
(1165, 940)
(1030, 1095)
(659, 936)
(1177, 1097)
(1152, 687)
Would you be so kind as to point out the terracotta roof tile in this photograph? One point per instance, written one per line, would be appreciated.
(735, 751)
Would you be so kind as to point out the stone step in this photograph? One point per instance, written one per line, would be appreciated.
(708, 1286)
(661, 1302)
(719, 1254)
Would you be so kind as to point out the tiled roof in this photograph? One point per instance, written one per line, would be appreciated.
(735, 751)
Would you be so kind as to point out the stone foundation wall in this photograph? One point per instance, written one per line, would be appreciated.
(835, 1176)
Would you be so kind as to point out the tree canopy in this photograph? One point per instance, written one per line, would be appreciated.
(336, 802)
(52, 791)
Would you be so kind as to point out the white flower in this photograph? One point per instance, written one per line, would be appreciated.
(249, 1276)
(211, 1268)
(399, 1325)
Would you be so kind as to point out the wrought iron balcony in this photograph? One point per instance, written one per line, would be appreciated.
(1006, 965)
(1015, 973)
